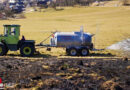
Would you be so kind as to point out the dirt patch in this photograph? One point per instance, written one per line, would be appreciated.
(66, 74)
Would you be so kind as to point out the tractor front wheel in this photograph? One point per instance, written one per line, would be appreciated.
(2, 50)
(6, 51)
(27, 50)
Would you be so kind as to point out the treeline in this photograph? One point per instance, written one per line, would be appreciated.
(126, 2)
(82, 2)
(5, 12)
(73, 2)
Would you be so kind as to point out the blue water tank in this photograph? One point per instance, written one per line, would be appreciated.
(64, 39)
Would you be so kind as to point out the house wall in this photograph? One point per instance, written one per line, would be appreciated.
(1, 1)
(12, 1)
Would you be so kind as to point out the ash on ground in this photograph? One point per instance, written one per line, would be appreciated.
(123, 45)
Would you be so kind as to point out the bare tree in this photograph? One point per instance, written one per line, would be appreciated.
(126, 2)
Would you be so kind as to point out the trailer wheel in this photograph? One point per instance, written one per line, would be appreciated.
(2, 50)
(27, 50)
(72, 51)
(84, 52)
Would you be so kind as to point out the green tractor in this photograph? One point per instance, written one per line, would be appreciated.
(10, 41)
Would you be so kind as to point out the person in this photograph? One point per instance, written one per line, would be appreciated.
(23, 38)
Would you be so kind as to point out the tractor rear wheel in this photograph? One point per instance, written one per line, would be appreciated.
(2, 50)
(27, 50)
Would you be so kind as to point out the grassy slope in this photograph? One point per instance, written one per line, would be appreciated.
(113, 23)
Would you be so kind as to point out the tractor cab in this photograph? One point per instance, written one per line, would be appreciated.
(11, 34)
(12, 30)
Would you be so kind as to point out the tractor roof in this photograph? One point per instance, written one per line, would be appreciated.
(13, 25)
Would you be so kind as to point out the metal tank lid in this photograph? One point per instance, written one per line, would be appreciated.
(65, 33)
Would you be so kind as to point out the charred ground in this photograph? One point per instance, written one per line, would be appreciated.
(66, 74)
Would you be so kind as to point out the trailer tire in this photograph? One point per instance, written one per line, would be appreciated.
(27, 50)
(72, 51)
(84, 52)
(2, 50)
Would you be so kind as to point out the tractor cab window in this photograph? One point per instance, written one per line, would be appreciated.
(5, 31)
(12, 32)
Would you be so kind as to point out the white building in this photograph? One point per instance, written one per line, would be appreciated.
(12, 1)
(1, 1)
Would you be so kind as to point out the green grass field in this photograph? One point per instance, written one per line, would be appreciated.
(110, 24)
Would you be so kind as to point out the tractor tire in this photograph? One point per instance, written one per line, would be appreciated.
(27, 50)
(73, 52)
(2, 50)
(84, 52)
(6, 51)
(67, 51)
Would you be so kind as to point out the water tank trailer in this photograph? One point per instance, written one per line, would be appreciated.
(76, 43)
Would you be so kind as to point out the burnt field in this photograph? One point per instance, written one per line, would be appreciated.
(66, 74)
